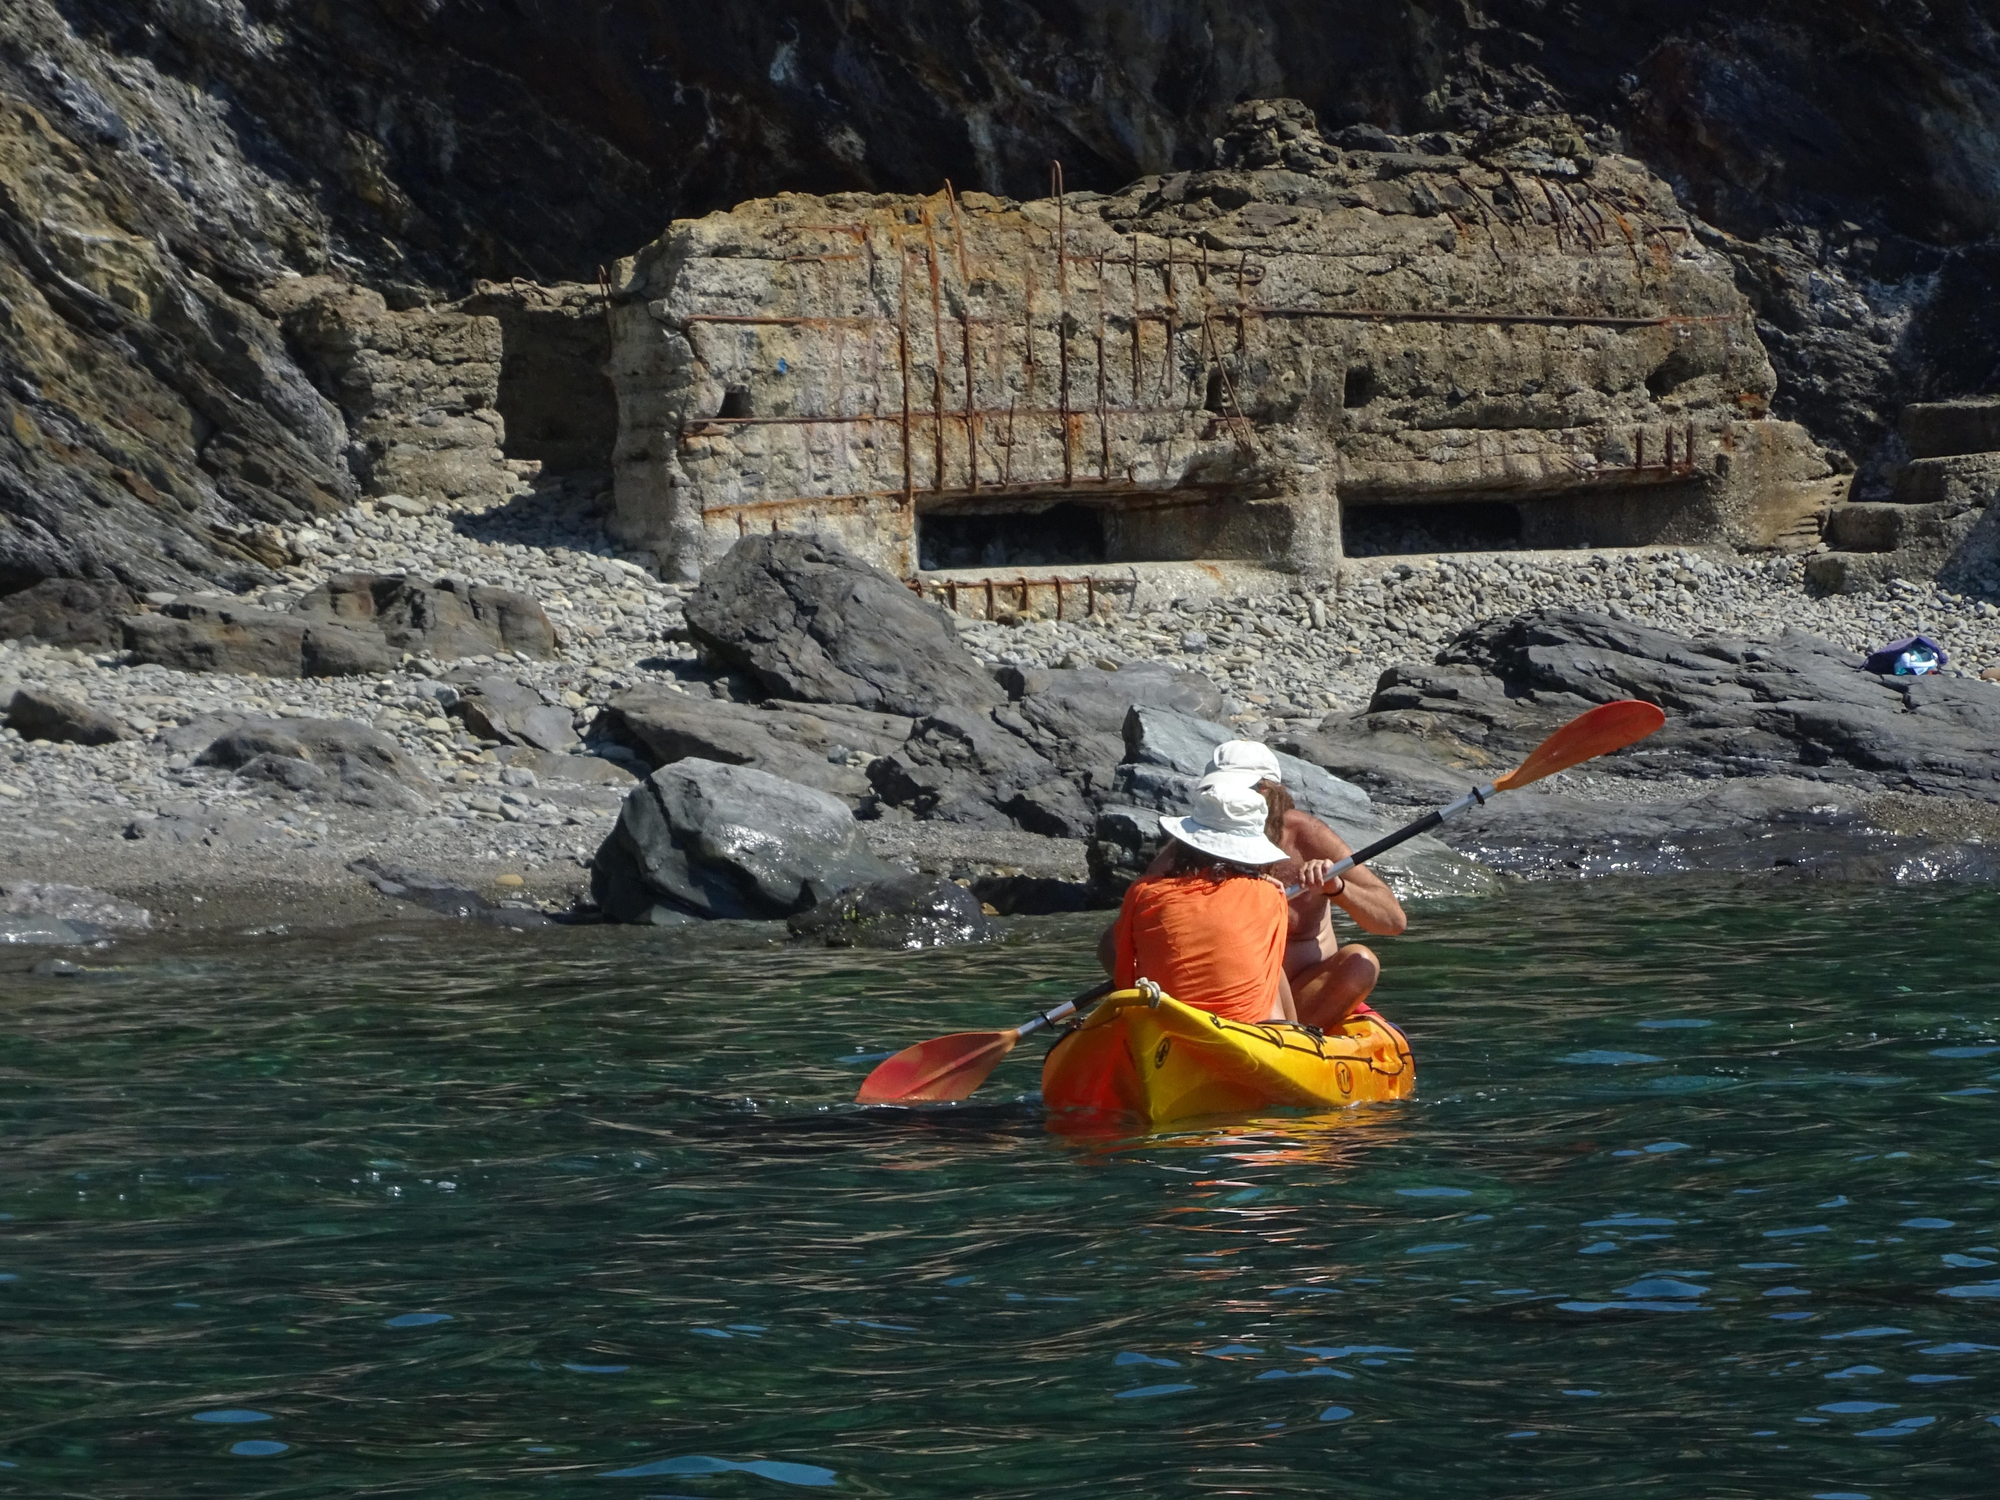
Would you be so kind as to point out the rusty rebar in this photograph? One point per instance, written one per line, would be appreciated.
(937, 352)
(903, 351)
(1062, 319)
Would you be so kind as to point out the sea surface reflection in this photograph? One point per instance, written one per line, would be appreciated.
(1699, 1197)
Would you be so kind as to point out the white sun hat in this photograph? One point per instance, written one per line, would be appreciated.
(1251, 756)
(1225, 818)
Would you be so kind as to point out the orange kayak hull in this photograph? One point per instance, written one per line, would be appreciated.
(1163, 1061)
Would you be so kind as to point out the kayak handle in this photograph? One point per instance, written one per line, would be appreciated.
(1474, 798)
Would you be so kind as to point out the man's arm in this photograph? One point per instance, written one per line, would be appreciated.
(1364, 897)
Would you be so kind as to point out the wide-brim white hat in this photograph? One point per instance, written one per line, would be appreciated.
(1254, 757)
(1225, 817)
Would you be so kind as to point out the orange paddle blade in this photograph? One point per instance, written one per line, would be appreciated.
(945, 1067)
(1608, 727)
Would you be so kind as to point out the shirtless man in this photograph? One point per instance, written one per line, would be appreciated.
(1328, 981)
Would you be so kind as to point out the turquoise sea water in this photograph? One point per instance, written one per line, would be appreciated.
(1700, 1198)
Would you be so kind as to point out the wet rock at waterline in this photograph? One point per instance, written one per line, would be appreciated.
(810, 622)
(42, 913)
(699, 839)
(444, 896)
(911, 911)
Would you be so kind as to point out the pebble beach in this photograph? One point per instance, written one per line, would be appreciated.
(139, 814)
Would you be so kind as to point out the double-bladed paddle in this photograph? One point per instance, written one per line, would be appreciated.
(951, 1067)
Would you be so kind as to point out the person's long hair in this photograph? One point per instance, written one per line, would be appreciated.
(1279, 802)
(1185, 859)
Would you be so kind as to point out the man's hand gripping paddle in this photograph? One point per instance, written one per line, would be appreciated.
(951, 1067)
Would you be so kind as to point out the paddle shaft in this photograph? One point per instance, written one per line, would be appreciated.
(1477, 797)
(1062, 1012)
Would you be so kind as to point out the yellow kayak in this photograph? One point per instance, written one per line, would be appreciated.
(1145, 1054)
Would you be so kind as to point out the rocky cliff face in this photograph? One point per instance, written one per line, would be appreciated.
(166, 163)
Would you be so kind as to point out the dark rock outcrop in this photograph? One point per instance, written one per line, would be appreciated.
(809, 622)
(1774, 755)
(825, 745)
(1799, 706)
(38, 715)
(698, 839)
(448, 619)
(66, 612)
(199, 637)
(353, 625)
(1076, 717)
(962, 767)
(911, 911)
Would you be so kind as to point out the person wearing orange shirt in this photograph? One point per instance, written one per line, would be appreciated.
(1207, 923)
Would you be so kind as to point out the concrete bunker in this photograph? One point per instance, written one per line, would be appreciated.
(1496, 338)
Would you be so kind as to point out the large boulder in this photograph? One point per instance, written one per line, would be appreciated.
(961, 767)
(448, 620)
(809, 621)
(514, 713)
(342, 758)
(825, 745)
(195, 636)
(36, 714)
(1076, 716)
(66, 612)
(1161, 739)
(701, 839)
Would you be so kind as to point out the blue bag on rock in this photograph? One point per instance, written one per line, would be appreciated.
(1912, 656)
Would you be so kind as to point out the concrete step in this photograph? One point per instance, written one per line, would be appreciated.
(1966, 480)
(1877, 527)
(1851, 572)
(1940, 429)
